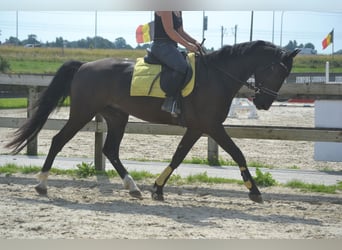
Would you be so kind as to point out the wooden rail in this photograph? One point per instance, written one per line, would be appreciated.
(289, 90)
(237, 131)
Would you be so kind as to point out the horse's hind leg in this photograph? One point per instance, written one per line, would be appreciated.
(73, 125)
(116, 123)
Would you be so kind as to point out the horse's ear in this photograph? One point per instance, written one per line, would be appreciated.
(294, 53)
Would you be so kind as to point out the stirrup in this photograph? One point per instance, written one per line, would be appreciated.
(175, 109)
(170, 105)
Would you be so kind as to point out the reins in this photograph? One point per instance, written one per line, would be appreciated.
(257, 87)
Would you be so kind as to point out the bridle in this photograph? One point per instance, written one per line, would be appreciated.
(256, 86)
(259, 88)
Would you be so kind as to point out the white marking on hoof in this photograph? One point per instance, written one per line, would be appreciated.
(42, 177)
(129, 184)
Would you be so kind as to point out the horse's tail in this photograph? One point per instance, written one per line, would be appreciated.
(54, 95)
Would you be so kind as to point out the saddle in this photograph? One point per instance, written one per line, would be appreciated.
(149, 76)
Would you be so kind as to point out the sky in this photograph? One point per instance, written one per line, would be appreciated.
(276, 26)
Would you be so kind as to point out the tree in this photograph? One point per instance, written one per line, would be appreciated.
(59, 42)
(120, 43)
(143, 46)
(292, 45)
(103, 43)
(31, 39)
(13, 40)
(309, 45)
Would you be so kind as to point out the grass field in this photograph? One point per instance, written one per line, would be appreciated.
(13, 103)
(48, 60)
(17, 103)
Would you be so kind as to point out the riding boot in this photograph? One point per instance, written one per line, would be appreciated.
(170, 105)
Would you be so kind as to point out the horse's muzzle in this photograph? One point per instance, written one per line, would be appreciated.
(263, 102)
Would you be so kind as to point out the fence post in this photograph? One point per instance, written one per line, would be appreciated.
(100, 159)
(213, 154)
(32, 146)
(327, 70)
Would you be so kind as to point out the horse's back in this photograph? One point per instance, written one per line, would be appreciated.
(103, 79)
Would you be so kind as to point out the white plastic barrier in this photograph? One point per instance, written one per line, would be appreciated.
(328, 114)
(242, 104)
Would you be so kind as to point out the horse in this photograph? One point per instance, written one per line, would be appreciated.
(103, 87)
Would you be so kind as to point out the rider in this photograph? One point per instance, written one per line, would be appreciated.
(168, 32)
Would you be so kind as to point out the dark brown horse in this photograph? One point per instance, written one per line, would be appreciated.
(103, 87)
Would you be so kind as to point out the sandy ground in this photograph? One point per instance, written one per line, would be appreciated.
(101, 208)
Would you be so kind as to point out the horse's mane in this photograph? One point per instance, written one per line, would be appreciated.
(239, 49)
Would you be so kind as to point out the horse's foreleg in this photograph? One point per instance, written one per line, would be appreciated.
(221, 137)
(188, 140)
(116, 123)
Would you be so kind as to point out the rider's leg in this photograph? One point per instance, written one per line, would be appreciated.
(169, 55)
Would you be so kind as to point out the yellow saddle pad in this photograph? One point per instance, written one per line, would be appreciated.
(144, 74)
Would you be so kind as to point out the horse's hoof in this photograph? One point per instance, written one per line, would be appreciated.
(256, 198)
(136, 194)
(157, 197)
(40, 190)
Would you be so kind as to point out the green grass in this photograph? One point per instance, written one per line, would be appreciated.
(316, 63)
(204, 178)
(13, 103)
(316, 188)
(264, 179)
(204, 161)
(48, 60)
(34, 67)
(222, 162)
(85, 170)
(16, 103)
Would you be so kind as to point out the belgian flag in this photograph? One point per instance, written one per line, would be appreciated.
(145, 33)
(328, 40)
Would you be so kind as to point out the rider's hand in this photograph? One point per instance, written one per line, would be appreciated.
(192, 47)
(198, 45)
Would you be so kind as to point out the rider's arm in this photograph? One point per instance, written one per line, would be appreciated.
(166, 17)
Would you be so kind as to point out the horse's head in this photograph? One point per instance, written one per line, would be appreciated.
(269, 79)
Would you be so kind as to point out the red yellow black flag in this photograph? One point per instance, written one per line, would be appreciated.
(144, 33)
(328, 40)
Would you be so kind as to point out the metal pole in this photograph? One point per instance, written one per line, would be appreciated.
(17, 28)
(95, 38)
(251, 33)
(235, 33)
(221, 36)
(203, 25)
(273, 28)
(327, 72)
(281, 28)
